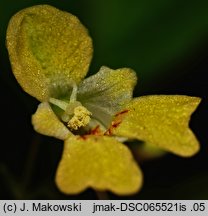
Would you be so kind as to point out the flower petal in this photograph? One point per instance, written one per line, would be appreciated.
(47, 123)
(106, 92)
(160, 120)
(99, 162)
(47, 45)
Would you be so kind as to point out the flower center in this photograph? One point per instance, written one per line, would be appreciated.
(80, 119)
(75, 115)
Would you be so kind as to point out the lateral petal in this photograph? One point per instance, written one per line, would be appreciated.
(47, 46)
(47, 123)
(161, 120)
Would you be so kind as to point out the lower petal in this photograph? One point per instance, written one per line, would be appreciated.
(99, 162)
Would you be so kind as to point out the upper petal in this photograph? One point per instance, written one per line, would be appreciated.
(99, 162)
(161, 120)
(106, 92)
(46, 46)
(47, 123)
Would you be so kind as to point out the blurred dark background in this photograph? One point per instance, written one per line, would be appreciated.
(165, 42)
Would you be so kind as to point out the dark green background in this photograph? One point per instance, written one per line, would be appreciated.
(165, 42)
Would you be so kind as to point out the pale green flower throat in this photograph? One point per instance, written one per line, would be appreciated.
(75, 114)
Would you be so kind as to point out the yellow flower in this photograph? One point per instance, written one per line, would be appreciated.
(50, 52)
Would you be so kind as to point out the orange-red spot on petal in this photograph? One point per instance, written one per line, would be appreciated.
(95, 130)
(108, 132)
(116, 122)
(121, 113)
